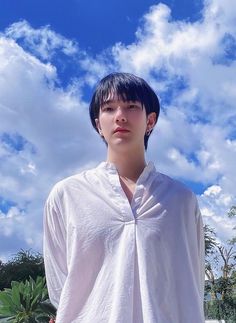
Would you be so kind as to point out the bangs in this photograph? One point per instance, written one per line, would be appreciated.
(120, 91)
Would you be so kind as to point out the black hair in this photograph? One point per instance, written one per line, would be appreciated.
(126, 87)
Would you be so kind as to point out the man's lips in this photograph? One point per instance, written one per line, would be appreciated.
(121, 130)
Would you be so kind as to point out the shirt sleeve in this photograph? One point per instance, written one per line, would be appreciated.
(54, 248)
(201, 252)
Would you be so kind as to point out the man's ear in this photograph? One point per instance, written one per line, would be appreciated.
(151, 120)
(98, 126)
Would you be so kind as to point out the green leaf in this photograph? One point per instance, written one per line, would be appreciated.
(22, 301)
(25, 302)
(7, 320)
(16, 296)
(35, 302)
(5, 299)
(6, 311)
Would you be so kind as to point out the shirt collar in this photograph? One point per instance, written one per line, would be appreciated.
(148, 171)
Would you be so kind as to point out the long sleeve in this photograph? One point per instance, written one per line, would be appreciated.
(201, 248)
(54, 249)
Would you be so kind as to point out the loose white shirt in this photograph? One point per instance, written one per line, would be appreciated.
(111, 261)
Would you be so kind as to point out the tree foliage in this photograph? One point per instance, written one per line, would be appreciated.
(231, 214)
(25, 264)
(220, 271)
(210, 241)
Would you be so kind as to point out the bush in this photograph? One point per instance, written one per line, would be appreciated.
(26, 302)
(25, 264)
(219, 309)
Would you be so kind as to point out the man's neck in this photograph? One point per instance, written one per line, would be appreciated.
(129, 165)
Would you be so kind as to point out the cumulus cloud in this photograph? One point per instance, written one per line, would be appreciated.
(168, 51)
(186, 63)
(45, 135)
(215, 204)
(191, 65)
(42, 42)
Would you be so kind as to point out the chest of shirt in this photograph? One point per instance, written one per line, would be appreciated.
(96, 213)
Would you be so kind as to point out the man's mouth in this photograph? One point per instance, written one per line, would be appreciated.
(121, 130)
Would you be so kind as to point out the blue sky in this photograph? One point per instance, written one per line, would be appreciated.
(94, 24)
(51, 56)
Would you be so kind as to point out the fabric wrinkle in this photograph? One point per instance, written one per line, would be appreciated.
(124, 263)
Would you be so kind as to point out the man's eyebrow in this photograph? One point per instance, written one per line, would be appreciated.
(107, 102)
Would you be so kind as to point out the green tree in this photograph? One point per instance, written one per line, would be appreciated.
(221, 274)
(25, 264)
(231, 214)
(210, 241)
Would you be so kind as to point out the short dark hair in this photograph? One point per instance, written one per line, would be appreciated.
(127, 87)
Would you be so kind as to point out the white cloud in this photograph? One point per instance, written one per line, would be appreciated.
(215, 204)
(194, 138)
(43, 42)
(188, 50)
(200, 118)
(19, 229)
(213, 190)
(95, 68)
(186, 64)
(54, 126)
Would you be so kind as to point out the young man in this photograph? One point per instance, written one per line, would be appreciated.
(124, 243)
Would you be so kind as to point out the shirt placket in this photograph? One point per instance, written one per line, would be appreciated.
(120, 199)
(128, 211)
(137, 200)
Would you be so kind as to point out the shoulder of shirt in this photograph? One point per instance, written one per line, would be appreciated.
(177, 185)
(61, 186)
(181, 192)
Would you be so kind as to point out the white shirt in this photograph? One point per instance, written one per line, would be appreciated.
(111, 262)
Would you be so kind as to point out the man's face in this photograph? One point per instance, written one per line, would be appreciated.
(124, 123)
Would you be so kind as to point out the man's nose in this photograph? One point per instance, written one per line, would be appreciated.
(120, 115)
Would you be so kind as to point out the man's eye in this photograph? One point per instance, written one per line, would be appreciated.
(133, 107)
(107, 109)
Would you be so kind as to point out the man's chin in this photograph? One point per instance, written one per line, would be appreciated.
(122, 145)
